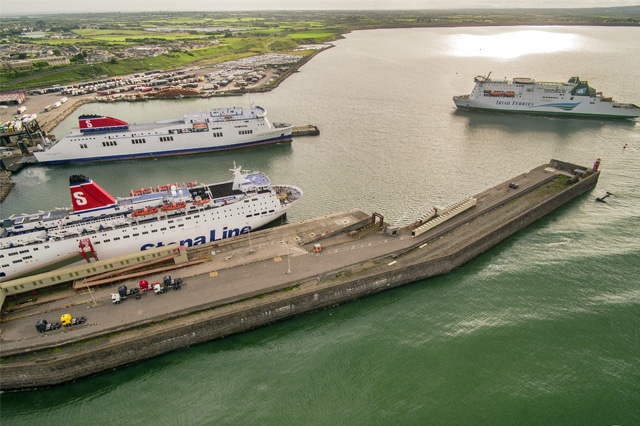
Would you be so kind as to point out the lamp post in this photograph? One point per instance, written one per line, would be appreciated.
(249, 231)
(91, 293)
(288, 257)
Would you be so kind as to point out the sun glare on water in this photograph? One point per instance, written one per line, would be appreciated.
(511, 44)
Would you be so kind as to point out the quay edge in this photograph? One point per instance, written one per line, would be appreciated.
(37, 367)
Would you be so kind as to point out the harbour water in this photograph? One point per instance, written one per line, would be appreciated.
(542, 329)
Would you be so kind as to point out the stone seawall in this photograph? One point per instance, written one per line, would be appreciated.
(48, 126)
(52, 366)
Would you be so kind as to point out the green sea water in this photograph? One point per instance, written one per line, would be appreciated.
(542, 329)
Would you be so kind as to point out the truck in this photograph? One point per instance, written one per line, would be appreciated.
(43, 326)
(123, 292)
(69, 320)
(168, 282)
(163, 287)
(66, 320)
(145, 286)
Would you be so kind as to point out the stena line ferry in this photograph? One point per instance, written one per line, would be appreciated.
(527, 96)
(103, 138)
(99, 225)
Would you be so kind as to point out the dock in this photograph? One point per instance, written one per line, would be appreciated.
(308, 130)
(271, 275)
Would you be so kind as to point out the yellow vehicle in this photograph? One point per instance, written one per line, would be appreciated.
(68, 320)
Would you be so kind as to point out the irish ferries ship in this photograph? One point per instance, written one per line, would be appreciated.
(524, 95)
(102, 138)
(100, 225)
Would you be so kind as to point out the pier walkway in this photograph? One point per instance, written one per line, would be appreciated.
(257, 263)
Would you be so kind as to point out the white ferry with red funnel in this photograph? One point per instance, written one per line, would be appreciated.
(102, 138)
(189, 214)
(575, 98)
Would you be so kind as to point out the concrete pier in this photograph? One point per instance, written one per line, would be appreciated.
(271, 275)
(308, 130)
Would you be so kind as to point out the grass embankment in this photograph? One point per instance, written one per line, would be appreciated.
(191, 39)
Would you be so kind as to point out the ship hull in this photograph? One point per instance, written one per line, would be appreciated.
(194, 134)
(471, 105)
(65, 157)
(525, 96)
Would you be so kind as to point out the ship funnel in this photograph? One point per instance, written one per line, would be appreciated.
(87, 195)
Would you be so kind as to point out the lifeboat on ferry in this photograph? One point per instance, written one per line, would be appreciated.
(201, 202)
(494, 93)
(144, 212)
(141, 191)
(164, 187)
(510, 94)
(173, 206)
(191, 184)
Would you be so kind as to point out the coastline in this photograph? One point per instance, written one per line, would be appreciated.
(49, 120)
(52, 123)
(6, 185)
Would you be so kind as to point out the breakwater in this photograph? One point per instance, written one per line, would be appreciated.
(439, 253)
(49, 125)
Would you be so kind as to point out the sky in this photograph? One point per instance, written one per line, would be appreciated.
(33, 7)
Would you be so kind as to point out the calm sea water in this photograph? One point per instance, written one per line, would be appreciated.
(543, 329)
